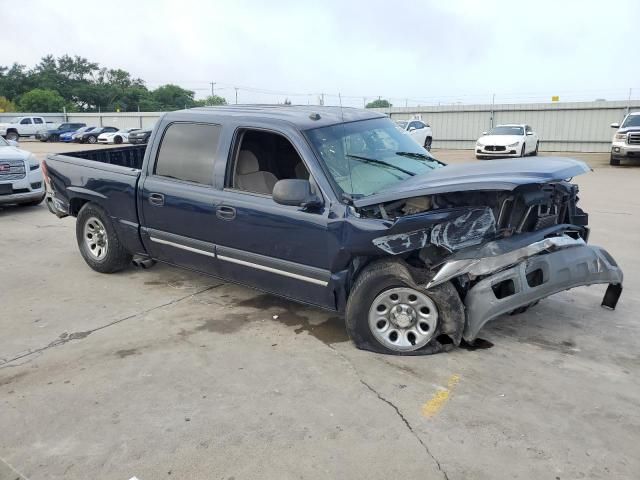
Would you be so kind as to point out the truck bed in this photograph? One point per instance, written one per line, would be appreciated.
(130, 156)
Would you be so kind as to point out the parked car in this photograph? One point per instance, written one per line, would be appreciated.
(508, 141)
(20, 175)
(21, 127)
(336, 208)
(139, 137)
(418, 130)
(121, 136)
(92, 135)
(626, 140)
(68, 136)
(53, 134)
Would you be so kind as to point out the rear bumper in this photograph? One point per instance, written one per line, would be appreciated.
(538, 277)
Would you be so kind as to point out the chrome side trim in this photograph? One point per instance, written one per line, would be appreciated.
(273, 270)
(183, 247)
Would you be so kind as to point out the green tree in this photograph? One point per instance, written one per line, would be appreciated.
(41, 100)
(212, 100)
(380, 103)
(173, 97)
(7, 105)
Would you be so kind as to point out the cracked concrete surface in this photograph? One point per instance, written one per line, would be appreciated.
(169, 374)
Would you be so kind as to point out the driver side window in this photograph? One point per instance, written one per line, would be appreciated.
(25, 121)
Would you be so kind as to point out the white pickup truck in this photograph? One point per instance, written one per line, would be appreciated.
(21, 127)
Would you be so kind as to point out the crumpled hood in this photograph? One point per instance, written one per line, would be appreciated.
(495, 175)
(13, 153)
(503, 140)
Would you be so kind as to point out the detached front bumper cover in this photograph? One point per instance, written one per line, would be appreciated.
(538, 277)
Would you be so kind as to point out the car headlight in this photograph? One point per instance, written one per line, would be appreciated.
(33, 162)
(621, 136)
(479, 144)
(514, 144)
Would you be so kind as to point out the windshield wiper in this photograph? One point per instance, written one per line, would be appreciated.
(380, 162)
(422, 156)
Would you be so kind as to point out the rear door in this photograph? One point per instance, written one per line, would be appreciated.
(177, 201)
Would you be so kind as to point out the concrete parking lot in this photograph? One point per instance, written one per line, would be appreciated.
(163, 373)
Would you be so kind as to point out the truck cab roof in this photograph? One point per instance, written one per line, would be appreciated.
(303, 117)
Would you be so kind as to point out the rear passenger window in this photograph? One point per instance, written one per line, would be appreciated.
(187, 152)
(37, 120)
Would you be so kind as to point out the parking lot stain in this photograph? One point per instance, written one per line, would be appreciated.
(127, 352)
(12, 378)
(477, 344)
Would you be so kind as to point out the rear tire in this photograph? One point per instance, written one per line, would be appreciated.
(614, 161)
(98, 241)
(428, 331)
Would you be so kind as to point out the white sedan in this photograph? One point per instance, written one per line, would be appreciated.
(508, 141)
(121, 136)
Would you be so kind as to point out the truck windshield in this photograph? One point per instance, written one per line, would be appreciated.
(368, 156)
(631, 121)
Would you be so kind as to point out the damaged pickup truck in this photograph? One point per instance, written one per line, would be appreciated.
(336, 208)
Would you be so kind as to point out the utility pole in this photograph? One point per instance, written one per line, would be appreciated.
(322, 99)
(493, 102)
(406, 102)
(364, 102)
(236, 94)
(629, 102)
(212, 84)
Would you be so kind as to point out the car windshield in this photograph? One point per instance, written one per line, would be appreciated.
(401, 124)
(3, 142)
(631, 121)
(368, 156)
(506, 130)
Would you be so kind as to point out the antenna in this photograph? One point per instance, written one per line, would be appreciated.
(344, 143)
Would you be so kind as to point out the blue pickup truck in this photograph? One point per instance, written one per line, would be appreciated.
(336, 208)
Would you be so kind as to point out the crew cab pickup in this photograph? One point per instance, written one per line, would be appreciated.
(336, 208)
(21, 127)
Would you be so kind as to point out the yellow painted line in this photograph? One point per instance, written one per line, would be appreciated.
(440, 398)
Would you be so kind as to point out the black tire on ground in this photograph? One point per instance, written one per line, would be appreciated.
(535, 152)
(480, 157)
(117, 140)
(12, 136)
(427, 143)
(522, 152)
(33, 203)
(614, 161)
(387, 274)
(116, 257)
(92, 139)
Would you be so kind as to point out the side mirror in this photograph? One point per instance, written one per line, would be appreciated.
(529, 133)
(13, 143)
(484, 133)
(295, 192)
(615, 125)
(411, 129)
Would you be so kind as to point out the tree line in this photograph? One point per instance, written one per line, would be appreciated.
(78, 85)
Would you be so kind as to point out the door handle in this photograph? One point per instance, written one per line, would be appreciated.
(156, 199)
(225, 212)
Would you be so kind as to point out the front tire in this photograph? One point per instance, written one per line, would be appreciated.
(524, 150)
(614, 161)
(117, 140)
(535, 152)
(98, 241)
(389, 311)
(427, 143)
(92, 139)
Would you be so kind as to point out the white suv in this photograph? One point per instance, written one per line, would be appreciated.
(21, 127)
(626, 141)
(21, 178)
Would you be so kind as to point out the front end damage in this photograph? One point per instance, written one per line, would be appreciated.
(502, 249)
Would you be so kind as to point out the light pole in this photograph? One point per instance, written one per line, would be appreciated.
(236, 94)
(212, 84)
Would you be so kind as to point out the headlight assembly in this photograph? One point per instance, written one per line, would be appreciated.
(514, 144)
(621, 136)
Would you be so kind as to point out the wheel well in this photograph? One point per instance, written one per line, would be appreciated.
(76, 204)
(14, 130)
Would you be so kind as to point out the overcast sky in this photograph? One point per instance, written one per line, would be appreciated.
(423, 51)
